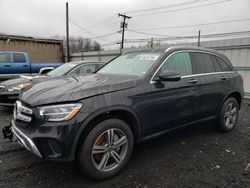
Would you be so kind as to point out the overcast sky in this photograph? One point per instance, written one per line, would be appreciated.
(46, 18)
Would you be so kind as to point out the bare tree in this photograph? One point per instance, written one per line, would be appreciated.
(96, 46)
(87, 45)
(80, 44)
(83, 44)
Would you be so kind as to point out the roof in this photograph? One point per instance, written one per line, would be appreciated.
(29, 39)
(87, 62)
(176, 48)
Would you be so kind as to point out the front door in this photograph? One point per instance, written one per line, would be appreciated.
(168, 104)
(5, 63)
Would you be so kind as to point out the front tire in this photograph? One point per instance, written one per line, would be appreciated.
(228, 115)
(106, 149)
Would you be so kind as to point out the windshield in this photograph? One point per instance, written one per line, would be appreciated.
(135, 63)
(62, 70)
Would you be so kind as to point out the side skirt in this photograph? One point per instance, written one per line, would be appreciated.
(175, 128)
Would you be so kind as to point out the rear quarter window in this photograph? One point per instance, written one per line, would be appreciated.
(224, 66)
(216, 64)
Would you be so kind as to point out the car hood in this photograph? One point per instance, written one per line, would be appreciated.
(23, 80)
(74, 88)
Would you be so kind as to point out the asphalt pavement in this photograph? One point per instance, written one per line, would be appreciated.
(196, 156)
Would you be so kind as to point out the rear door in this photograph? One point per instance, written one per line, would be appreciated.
(210, 84)
(19, 63)
(5, 63)
(223, 77)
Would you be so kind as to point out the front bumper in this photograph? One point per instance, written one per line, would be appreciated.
(49, 141)
(24, 140)
(8, 99)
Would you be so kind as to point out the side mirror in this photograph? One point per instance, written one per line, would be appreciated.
(45, 70)
(169, 76)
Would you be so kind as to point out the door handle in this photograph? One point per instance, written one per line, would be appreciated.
(25, 65)
(193, 81)
(223, 77)
(7, 65)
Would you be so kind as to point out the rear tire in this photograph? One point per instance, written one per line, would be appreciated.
(228, 115)
(106, 149)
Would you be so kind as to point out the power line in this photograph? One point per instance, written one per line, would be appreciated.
(100, 22)
(102, 27)
(239, 33)
(193, 25)
(103, 36)
(229, 34)
(166, 6)
(144, 33)
(82, 28)
(174, 10)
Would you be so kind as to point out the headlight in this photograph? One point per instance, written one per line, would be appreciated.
(19, 87)
(63, 112)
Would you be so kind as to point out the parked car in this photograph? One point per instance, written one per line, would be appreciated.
(97, 119)
(11, 89)
(12, 64)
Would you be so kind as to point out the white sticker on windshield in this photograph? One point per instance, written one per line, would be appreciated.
(149, 57)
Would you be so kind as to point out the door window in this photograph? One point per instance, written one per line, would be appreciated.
(18, 58)
(4, 58)
(84, 69)
(203, 63)
(179, 62)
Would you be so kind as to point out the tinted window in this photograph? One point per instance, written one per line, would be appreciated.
(224, 66)
(216, 64)
(4, 58)
(18, 58)
(84, 69)
(62, 70)
(98, 66)
(179, 62)
(203, 63)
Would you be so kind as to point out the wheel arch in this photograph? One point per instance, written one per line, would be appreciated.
(235, 95)
(120, 112)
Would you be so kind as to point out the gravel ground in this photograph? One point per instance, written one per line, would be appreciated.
(192, 157)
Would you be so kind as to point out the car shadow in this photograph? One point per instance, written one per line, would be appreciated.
(7, 110)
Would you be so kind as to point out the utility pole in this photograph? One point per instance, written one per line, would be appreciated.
(199, 38)
(123, 26)
(67, 33)
(152, 43)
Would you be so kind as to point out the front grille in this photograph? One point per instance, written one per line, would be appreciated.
(2, 88)
(22, 113)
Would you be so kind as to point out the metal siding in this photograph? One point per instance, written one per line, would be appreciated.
(239, 55)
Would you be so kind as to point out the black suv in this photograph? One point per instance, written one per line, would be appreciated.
(96, 119)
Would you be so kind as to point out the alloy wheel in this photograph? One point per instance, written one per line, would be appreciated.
(109, 149)
(230, 115)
